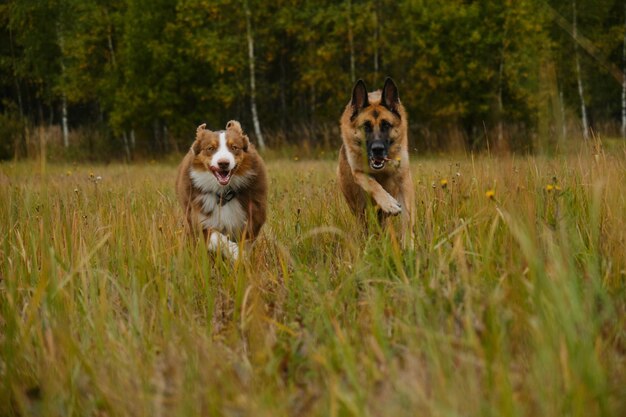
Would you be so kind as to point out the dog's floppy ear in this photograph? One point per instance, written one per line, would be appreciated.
(235, 126)
(389, 97)
(359, 98)
(195, 147)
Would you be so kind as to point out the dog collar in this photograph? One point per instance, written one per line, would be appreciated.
(224, 196)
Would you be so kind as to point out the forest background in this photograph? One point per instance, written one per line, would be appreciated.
(131, 79)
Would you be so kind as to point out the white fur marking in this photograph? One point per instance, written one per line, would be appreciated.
(218, 241)
(223, 154)
(205, 181)
(237, 182)
(229, 219)
(207, 202)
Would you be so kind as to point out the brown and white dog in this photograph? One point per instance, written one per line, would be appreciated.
(374, 158)
(222, 187)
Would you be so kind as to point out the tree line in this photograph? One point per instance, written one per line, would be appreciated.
(137, 76)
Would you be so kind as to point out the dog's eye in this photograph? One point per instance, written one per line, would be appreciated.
(367, 126)
(210, 148)
(234, 148)
(385, 126)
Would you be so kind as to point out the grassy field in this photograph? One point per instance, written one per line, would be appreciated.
(512, 303)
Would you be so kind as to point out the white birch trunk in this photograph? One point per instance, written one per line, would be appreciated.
(65, 129)
(255, 116)
(66, 132)
(111, 49)
(581, 92)
(126, 147)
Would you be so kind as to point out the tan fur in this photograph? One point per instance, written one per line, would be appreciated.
(390, 189)
(252, 196)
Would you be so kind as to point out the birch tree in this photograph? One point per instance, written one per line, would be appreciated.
(253, 109)
(64, 125)
(581, 92)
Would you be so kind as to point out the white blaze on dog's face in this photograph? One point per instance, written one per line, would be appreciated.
(222, 161)
(221, 153)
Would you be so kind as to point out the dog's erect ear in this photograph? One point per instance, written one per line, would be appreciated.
(359, 97)
(234, 125)
(389, 97)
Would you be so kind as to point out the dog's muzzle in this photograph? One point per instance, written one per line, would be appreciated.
(222, 175)
(377, 154)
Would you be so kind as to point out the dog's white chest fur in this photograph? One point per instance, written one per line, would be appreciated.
(229, 218)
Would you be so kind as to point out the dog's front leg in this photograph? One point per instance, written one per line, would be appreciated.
(217, 241)
(387, 203)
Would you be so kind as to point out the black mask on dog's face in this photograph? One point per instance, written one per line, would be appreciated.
(377, 142)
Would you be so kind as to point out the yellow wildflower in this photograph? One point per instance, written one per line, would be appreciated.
(490, 194)
(443, 182)
(549, 187)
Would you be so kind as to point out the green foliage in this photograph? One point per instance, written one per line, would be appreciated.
(160, 68)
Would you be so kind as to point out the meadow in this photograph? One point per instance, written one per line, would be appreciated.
(511, 303)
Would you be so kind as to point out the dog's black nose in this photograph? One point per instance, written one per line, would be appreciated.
(223, 165)
(378, 149)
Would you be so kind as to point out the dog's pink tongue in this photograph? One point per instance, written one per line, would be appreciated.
(222, 176)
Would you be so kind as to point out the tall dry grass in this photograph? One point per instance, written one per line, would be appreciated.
(512, 302)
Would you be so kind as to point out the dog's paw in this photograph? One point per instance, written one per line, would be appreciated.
(389, 205)
(219, 242)
(233, 251)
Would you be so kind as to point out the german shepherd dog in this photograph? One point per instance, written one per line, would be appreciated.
(374, 158)
(222, 187)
